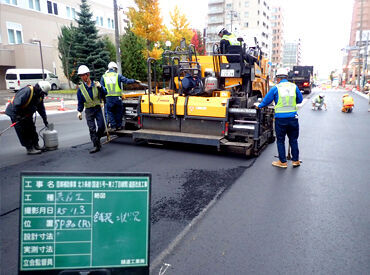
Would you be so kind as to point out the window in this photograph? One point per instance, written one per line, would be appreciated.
(13, 2)
(101, 21)
(246, 4)
(109, 23)
(246, 14)
(51, 6)
(246, 24)
(11, 77)
(55, 8)
(34, 4)
(229, 6)
(14, 33)
(68, 10)
(73, 13)
(31, 76)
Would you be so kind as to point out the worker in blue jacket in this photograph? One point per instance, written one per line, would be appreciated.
(24, 104)
(112, 80)
(89, 97)
(286, 96)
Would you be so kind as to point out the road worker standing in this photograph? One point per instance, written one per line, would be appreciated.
(286, 96)
(112, 80)
(89, 97)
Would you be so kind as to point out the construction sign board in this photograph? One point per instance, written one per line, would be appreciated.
(84, 221)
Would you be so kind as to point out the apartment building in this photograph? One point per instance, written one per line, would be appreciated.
(292, 54)
(244, 18)
(360, 20)
(277, 25)
(24, 21)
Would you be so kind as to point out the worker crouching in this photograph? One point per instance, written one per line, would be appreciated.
(89, 95)
(24, 104)
(348, 103)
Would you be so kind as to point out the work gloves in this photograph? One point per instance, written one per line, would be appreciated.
(97, 84)
(137, 81)
(79, 115)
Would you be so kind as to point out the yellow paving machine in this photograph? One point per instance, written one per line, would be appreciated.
(208, 100)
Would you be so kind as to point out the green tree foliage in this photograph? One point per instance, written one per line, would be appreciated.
(110, 47)
(133, 61)
(66, 50)
(89, 47)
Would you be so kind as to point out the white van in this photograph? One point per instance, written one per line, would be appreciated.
(18, 78)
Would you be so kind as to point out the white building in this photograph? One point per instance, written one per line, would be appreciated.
(244, 18)
(23, 21)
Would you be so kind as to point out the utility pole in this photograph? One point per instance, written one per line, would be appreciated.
(232, 14)
(359, 52)
(116, 34)
(364, 72)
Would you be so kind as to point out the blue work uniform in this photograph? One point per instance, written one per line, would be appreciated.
(93, 112)
(114, 101)
(286, 122)
(24, 104)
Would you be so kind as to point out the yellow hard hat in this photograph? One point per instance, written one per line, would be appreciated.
(345, 95)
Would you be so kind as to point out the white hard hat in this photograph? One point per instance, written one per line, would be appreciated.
(83, 69)
(44, 86)
(112, 65)
(282, 72)
(220, 29)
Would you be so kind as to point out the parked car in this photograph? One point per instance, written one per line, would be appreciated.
(18, 78)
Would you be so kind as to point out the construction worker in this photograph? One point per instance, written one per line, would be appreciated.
(318, 102)
(89, 97)
(229, 44)
(24, 104)
(227, 40)
(348, 103)
(111, 80)
(286, 96)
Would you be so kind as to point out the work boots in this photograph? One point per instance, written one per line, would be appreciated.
(33, 151)
(96, 148)
(296, 163)
(280, 164)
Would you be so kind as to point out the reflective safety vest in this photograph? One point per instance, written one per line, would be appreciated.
(287, 98)
(348, 101)
(111, 84)
(90, 102)
(318, 99)
(232, 39)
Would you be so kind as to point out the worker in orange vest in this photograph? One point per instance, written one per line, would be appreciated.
(348, 103)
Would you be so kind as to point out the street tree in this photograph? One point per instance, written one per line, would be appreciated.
(89, 47)
(179, 28)
(133, 60)
(146, 22)
(110, 47)
(66, 51)
(198, 42)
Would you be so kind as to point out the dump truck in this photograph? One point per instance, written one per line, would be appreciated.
(218, 110)
(302, 76)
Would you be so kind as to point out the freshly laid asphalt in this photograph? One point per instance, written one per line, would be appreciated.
(313, 219)
(307, 220)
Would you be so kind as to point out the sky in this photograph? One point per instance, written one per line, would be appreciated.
(322, 25)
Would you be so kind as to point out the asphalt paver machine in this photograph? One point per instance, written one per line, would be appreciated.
(216, 109)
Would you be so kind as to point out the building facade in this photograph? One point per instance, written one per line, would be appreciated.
(24, 21)
(292, 54)
(277, 25)
(244, 18)
(354, 62)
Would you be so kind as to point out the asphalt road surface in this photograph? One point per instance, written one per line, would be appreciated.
(312, 219)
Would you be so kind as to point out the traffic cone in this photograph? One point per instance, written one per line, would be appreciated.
(61, 108)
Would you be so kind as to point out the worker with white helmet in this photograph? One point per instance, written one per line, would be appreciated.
(89, 97)
(286, 96)
(24, 104)
(319, 101)
(112, 81)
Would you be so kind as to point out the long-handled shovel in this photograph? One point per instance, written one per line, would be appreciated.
(10, 126)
